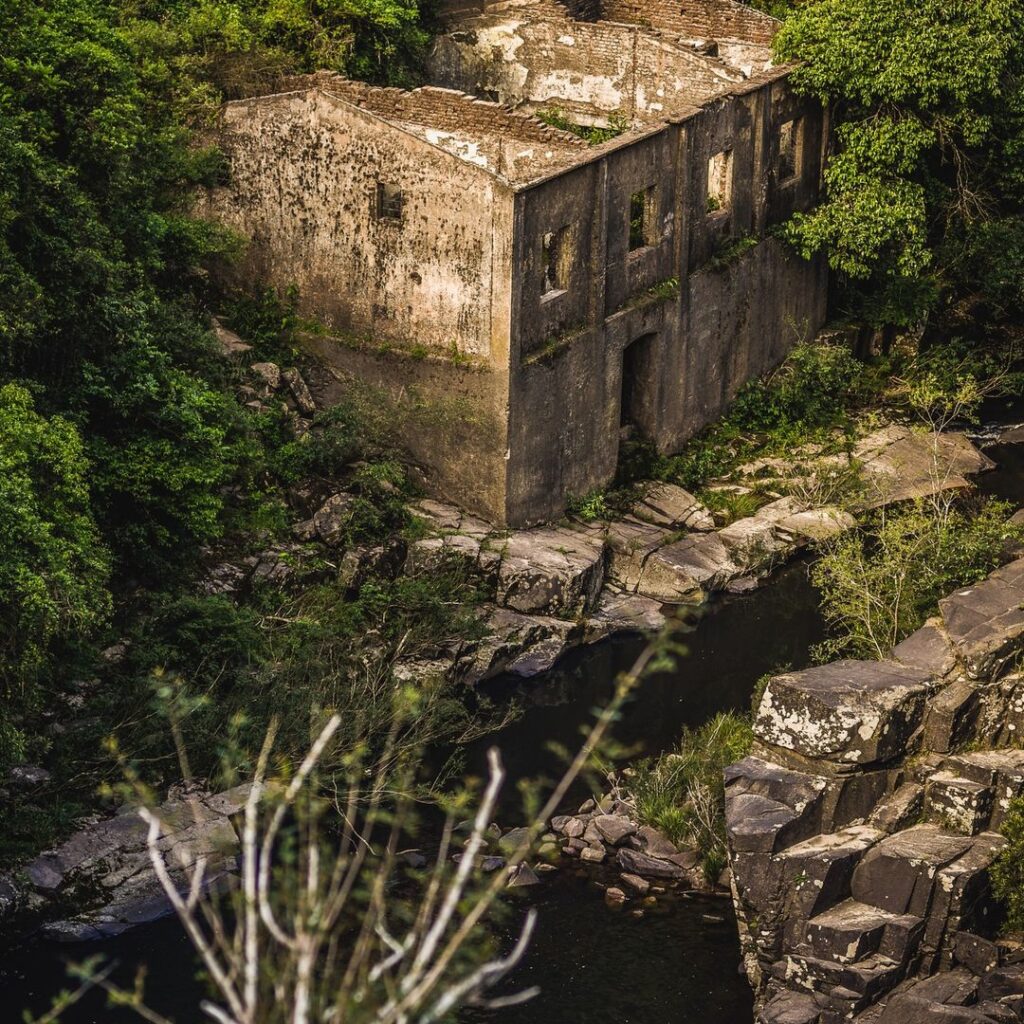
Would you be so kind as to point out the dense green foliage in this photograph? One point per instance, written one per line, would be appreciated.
(54, 569)
(879, 583)
(129, 461)
(1008, 870)
(924, 188)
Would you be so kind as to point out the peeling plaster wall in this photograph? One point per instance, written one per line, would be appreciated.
(523, 56)
(303, 183)
(304, 173)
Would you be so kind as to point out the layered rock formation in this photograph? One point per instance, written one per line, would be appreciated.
(863, 825)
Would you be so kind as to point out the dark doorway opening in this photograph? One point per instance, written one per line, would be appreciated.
(638, 387)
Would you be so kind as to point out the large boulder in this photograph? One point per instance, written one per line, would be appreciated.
(550, 570)
(854, 712)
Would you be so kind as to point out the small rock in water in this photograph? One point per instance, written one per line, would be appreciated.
(521, 876)
(712, 919)
(639, 885)
(614, 895)
(593, 854)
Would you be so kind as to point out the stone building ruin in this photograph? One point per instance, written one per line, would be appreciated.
(522, 296)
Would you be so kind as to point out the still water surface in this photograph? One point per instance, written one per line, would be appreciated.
(678, 964)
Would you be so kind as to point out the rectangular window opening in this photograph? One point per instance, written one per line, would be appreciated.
(720, 181)
(389, 202)
(789, 151)
(555, 260)
(641, 219)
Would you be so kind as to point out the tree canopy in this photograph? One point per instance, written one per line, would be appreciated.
(925, 185)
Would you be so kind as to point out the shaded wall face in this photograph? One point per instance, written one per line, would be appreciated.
(668, 360)
(384, 236)
(452, 419)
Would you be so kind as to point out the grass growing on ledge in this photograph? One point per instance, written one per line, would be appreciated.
(591, 134)
(730, 253)
(682, 793)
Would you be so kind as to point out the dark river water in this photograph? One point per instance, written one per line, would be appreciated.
(678, 964)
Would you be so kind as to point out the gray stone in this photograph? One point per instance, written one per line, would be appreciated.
(269, 373)
(856, 712)
(619, 612)
(950, 717)
(593, 853)
(847, 932)
(898, 873)
(927, 648)
(655, 844)
(958, 803)
(27, 776)
(299, 391)
(918, 465)
(332, 518)
(668, 505)
(978, 955)
(635, 863)
(522, 875)
(614, 828)
(680, 573)
(985, 623)
(551, 570)
(899, 810)
(791, 1008)
(634, 882)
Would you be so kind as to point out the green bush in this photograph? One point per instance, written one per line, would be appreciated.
(879, 583)
(813, 386)
(1008, 870)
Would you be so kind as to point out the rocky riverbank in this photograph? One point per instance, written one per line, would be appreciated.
(862, 828)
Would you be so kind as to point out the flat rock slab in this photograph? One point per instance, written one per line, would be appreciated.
(854, 712)
(671, 506)
(927, 648)
(985, 623)
(619, 612)
(551, 570)
(917, 465)
(681, 573)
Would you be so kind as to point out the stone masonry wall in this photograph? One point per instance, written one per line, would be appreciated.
(863, 825)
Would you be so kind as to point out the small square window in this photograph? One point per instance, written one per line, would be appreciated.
(789, 151)
(719, 181)
(389, 202)
(555, 259)
(642, 213)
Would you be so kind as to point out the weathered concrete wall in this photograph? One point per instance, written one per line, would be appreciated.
(726, 321)
(304, 175)
(591, 70)
(453, 419)
(863, 826)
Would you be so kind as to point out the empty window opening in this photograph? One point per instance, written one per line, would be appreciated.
(642, 231)
(720, 181)
(638, 386)
(555, 259)
(389, 202)
(789, 151)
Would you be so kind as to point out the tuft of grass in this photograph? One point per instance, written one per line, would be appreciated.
(682, 793)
